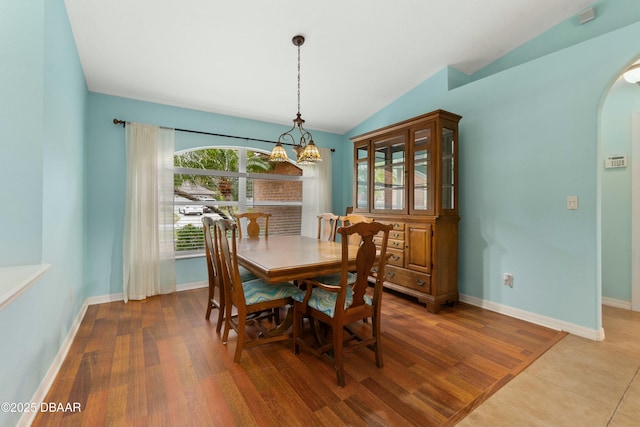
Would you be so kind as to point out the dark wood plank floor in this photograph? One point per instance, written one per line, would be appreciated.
(160, 363)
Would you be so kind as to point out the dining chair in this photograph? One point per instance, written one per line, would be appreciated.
(339, 307)
(249, 298)
(350, 219)
(216, 290)
(327, 226)
(253, 227)
(215, 286)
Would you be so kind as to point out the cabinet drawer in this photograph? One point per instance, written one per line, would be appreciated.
(397, 226)
(408, 279)
(396, 258)
(396, 235)
(395, 244)
(391, 243)
(393, 234)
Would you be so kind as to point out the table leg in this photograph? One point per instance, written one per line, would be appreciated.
(282, 328)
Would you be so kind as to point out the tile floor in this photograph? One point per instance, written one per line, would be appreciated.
(578, 382)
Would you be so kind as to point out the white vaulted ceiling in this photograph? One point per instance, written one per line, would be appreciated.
(237, 58)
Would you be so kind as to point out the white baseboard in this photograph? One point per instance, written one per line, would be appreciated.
(616, 303)
(40, 394)
(193, 285)
(549, 322)
(120, 296)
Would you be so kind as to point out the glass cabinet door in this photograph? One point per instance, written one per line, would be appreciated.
(448, 167)
(389, 174)
(362, 177)
(423, 171)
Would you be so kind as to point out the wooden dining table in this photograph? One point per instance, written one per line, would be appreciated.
(287, 258)
(277, 259)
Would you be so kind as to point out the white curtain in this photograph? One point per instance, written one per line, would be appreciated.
(316, 192)
(148, 254)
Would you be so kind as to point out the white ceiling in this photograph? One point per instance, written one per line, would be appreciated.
(237, 58)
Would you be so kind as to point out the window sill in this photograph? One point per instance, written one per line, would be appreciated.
(190, 255)
(17, 279)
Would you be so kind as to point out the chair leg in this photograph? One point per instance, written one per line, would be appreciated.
(297, 329)
(227, 324)
(338, 341)
(208, 310)
(240, 340)
(220, 318)
(210, 305)
(375, 324)
(221, 311)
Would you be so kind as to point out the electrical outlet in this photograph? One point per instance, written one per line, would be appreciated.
(507, 279)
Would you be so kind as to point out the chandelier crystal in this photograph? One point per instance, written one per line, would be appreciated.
(301, 139)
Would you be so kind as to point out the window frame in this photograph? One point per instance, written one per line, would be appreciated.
(241, 204)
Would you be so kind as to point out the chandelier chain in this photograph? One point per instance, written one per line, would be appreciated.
(298, 79)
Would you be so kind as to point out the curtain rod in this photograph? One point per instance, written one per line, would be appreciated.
(123, 123)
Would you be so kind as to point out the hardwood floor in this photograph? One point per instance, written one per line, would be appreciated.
(160, 363)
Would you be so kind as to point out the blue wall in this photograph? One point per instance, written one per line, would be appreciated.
(21, 88)
(42, 166)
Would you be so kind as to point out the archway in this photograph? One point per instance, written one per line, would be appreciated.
(620, 195)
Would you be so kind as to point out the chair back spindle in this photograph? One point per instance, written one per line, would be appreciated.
(253, 227)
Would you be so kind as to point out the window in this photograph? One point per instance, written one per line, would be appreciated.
(219, 182)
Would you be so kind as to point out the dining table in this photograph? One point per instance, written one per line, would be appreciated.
(291, 258)
(288, 258)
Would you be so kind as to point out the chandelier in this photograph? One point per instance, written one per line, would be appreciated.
(302, 141)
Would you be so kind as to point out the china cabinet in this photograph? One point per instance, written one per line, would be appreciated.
(407, 174)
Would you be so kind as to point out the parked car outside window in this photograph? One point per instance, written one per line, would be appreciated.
(192, 210)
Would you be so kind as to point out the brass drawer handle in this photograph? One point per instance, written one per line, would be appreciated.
(396, 235)
(420, 282)
(396, 225)
(391, 274)
(374, 269)
(395, 257)
(396, 244)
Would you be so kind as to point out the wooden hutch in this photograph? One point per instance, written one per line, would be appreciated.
(407, 174)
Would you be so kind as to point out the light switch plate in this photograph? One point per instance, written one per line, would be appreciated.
(572, 203)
